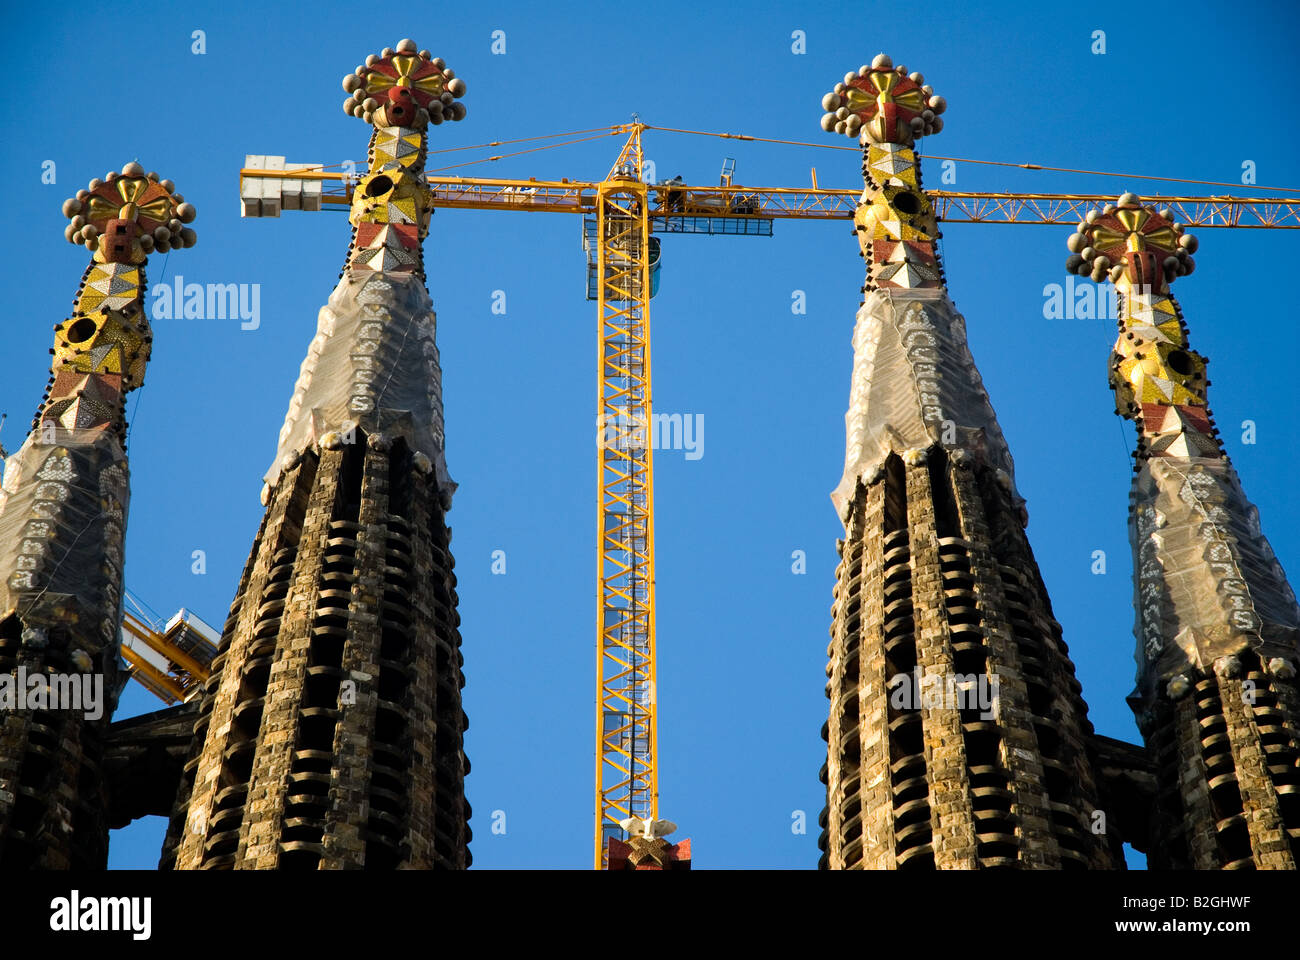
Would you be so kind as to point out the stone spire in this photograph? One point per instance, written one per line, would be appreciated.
(63, 510)
(359, 370)
(1217, 623)
(330, 735)
(957, 736)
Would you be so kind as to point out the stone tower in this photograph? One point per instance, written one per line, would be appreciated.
(330, 734)
(63, 509)
(957, 737)
(1217, 624)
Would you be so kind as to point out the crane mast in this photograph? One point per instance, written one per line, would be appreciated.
(627, 769)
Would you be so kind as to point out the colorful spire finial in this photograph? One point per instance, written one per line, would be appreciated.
(404, 88)
(1136, 246)
(881, 103)
(1158, 380)
(886, 109)
(400, 92)
(101, 351)
(128, 215)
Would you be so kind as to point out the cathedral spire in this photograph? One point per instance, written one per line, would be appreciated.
(331, 733)
(361, 371)
(63, 510)
(957, 738)
(887, 109)
(1217, 623)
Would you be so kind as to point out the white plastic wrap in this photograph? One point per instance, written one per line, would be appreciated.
(373, 362)
(1207, 583)
(62, 515)
(915, 385)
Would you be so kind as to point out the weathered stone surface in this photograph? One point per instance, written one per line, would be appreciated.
(336, 731)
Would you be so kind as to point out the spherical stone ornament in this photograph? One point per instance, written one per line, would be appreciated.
(1281, 668)
(1227, 666)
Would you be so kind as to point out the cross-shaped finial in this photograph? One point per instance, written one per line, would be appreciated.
(882, 103)
(128, 215)
(1132, 244)
(404, 88)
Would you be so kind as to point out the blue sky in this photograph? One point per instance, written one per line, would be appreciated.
(741, 638)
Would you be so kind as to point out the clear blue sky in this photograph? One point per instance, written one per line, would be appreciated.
(741, 638)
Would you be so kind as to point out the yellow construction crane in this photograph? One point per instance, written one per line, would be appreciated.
(621, 213)
(170, 659)
(627, 769)
(270, 184)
